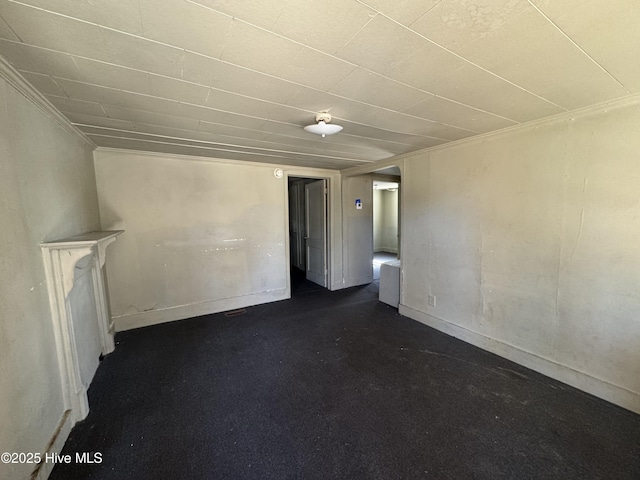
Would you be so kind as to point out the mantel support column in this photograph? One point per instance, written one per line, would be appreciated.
(64, 262)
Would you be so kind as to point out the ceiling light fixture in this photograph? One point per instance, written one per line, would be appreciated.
(322, 126)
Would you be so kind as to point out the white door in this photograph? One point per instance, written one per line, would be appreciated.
(316, 231)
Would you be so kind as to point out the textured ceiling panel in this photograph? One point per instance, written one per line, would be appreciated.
(456, 23)
(578, 81)
(44, 83)
(258, 49)
(305, 22)
(239, 79)
(315, 69)
(380, 43)
(257, 12)
(39, 60)
(405, 12)
(166, 23)
(446, 111)
(368, 87)
(609, 34)
(70, 105)
(125, 18)
(6, 32)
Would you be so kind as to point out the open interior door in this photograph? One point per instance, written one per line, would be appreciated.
(316, 231)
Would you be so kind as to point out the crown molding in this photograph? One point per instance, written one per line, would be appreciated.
(28, 91)
(397, 161)
(598, 108)
(198, 158)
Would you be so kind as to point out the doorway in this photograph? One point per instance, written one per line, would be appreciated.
(363, 255)
(386, 218)
(308, 233)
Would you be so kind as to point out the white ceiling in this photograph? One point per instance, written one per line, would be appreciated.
(239, 79)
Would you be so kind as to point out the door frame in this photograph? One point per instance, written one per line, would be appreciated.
(329, 254)
(395, 179)
(394, 167)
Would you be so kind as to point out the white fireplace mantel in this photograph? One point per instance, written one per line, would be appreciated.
(65, 261)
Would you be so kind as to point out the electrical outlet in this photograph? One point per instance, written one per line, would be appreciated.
(432, 300)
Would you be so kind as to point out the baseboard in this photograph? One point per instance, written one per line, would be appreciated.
(55, 445)
(600, 388)
(181, 312)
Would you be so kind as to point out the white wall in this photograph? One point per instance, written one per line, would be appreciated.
(530, 242)
(385, 221)
(48, 192)
(357, 230)
(202, 236)
(378, 219)
(390, 232)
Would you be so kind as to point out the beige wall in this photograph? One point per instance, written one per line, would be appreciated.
(357, 227)
(378, 219)
(529, 241)
(385, 221)
(200, 236)
(48, 192)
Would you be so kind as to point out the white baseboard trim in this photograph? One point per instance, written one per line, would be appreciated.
(154, 317)
(600, 388)
(55, 445)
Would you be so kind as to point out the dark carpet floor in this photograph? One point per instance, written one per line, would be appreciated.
(335, 385)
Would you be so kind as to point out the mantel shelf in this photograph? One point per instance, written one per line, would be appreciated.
(90, 238)
(79, 247)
